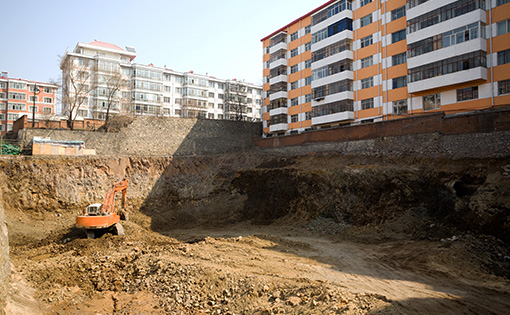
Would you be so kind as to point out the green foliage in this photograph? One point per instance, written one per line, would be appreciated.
(8, 149)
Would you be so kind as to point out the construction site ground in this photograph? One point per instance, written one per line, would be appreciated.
(260, 234)
(246, 269)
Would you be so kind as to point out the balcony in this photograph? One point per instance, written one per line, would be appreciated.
(479, 73)
(279, 78)
(332, 118)
(278, 127)
(275, 48)
(279, 111)
(277, 95)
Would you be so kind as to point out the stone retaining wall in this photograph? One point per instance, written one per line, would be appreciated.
(156, 136)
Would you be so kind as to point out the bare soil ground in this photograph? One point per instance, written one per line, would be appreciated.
(247, 269)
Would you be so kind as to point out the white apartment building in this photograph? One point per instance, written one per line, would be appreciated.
(93, 71)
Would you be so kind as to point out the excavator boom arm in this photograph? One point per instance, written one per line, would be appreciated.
(109, 200)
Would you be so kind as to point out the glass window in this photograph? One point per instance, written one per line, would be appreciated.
(294, 36)
(431, 102)
(294, 52)
(467, 94)
(366, 83)
(308, 46)
(364, 2)
(294, 101)
(294, 69)
(503, 27)
(400, 107)
(308, 63)
(503, 87)
(399, 59)
(368, 103)
(364, 21)
(399, 82)
(501, 2)
(398, 36)
(503, 57)
(308, 80)
(398, 13)
(366, 41)
(366, 62)
(308, 29)
(294, 85)
(294, 118)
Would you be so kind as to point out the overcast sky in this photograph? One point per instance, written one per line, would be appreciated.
(221, 38)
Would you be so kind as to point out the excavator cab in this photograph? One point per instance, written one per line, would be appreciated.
(94, 209)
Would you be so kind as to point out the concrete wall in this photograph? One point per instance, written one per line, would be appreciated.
(156, 136)
(4, 258)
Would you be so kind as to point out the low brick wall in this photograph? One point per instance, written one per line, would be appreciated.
(474, 122)
(157, 136)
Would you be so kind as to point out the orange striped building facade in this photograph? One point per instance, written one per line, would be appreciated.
(367, 61)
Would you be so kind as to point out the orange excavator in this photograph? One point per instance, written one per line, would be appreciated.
(101, 217)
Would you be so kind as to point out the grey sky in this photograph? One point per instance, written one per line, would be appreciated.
(221, 38)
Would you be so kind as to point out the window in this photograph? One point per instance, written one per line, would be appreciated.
(18, 107)
(294, 118)
(48, 90)
(398, 13)
(340, 26)
(166, 99)
(332, 108)
(399, 82)
(48, 100)
(450, 65)
(431, 102)
(337, 67)
(210, 115)
(503, 57)
(211, 94)
(364, 21)
(33, 99)
(12, 117)
(294, 69)
(400, 107)
(308, 46)
(366, 62)
(503, 27)
(368, 103)
(469, 93)
(294, 101)
(294, 85)
(294, 52)
(308, 29)
(364, 2)
(31, 109)
(220, 96)
(2, 96)
(2, 106)
(332, 49)
(294, 36)
(17, 96)
(501, 2)
(308, 98)
(444, 13)
(332, 88)
(47, 110)
(331, 11)
(220, 106)
(17, 86)
(399, 59)
(308, 80)
(366, 83)
(308, 63)
(3, 85)
(2, 117)
(503, 87)
(367, 41)
(398, 36)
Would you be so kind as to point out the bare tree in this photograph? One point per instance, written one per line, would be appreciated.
(114, 83)
(77, 83)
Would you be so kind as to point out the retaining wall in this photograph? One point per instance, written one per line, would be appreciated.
(157, 136)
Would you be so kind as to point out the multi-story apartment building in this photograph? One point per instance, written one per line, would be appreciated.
(349, 62)
(18, 97)
(98, 74)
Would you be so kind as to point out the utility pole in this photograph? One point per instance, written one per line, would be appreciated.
(36, 90)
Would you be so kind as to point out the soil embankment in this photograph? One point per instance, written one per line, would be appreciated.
(261, 234)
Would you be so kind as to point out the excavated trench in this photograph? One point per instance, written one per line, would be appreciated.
(183, 252)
